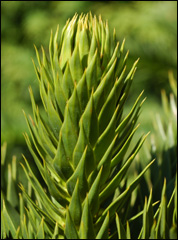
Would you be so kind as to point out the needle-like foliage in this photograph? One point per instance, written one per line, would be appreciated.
(81, 146)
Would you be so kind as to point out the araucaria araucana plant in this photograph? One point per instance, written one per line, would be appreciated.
(81, 146)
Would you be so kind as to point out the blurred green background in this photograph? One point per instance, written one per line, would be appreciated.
(150, 29)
